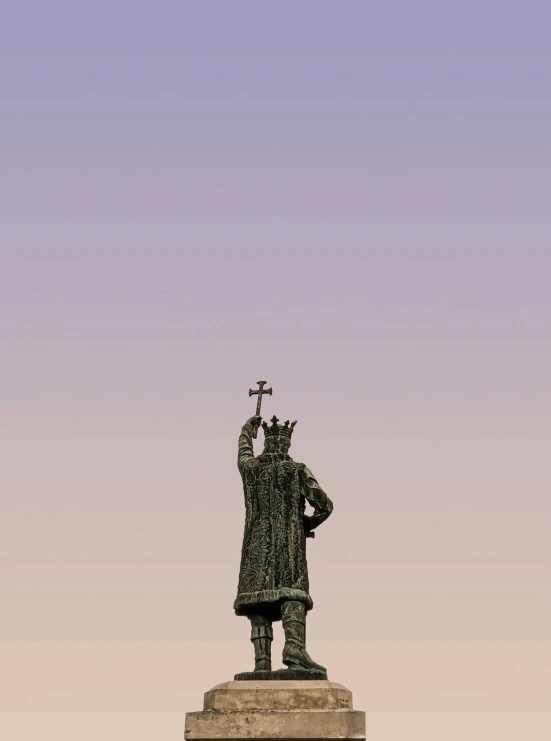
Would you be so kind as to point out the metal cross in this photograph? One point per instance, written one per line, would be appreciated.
(260, 391)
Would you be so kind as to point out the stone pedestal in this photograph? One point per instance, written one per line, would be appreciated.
(284, 709)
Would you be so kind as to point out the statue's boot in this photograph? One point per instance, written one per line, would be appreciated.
(261, 637)
(295, 656)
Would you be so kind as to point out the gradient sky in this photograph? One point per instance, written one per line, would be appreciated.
(349, 200)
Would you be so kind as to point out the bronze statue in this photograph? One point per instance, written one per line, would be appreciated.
(273, 578)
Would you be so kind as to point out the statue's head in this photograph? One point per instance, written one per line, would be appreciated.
(277, 438)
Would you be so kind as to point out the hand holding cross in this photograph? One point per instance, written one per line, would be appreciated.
(260, 391)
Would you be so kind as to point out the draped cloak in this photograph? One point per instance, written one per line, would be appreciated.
(273, 557)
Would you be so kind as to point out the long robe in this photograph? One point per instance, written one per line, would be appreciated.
(273, 558)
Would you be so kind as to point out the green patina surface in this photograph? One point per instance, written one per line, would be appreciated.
(273, 578)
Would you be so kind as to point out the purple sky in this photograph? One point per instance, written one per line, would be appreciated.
(188, 153)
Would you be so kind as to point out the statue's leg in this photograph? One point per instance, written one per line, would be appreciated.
(261, 636)
(293, 615)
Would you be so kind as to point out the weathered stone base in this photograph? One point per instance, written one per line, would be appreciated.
(283, 709)
(281, 674)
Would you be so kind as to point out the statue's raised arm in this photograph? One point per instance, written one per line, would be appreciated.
(245, 447)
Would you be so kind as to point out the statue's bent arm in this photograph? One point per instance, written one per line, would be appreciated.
(319, 500)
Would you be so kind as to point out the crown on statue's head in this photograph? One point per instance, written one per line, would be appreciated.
(276, 429)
